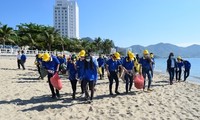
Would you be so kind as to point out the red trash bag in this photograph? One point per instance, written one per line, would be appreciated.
(139, 81)
(56, 81)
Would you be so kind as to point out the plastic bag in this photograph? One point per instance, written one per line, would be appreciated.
(99, 70)
(56, 81)
(139, 81)
(43, 72)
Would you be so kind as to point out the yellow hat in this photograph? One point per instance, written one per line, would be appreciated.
(40, 55)
(131, 55)
(179, 58)
(117, 55)
(82, 53)
(128, 52)
(145, 52)
(46, 57)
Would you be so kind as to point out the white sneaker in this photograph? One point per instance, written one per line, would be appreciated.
(83, 95)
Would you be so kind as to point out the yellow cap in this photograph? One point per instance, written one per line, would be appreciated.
(129, 52)
(179, 58)
(131, 55)
(46, 57)
(40, 55)
(117, 55)
(82, 53)
(145, 52)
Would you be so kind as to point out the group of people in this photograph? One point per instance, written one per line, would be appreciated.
(176, 66)
(86, 69)
(21, 59)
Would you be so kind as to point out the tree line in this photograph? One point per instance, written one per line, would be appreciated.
(43, 37)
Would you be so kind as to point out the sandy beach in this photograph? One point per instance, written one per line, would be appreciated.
(24, 97)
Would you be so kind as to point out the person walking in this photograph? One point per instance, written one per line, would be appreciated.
(18, 59)
(71, 67)
(171, 66)
(112, 66)
(101, 63)
(128, 66)
(51, 64)
(90, 75)
(179, 64)
(153, 63)
(38, 63)
(23, 60)
(146, 63)
(80, 66)
(187, 67)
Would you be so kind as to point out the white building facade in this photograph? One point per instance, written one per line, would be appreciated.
(66, 18)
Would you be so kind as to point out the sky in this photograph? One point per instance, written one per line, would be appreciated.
(126, 22)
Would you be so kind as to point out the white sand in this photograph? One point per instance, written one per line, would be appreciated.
(23, 97)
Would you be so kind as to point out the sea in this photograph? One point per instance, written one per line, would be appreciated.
(161, 66)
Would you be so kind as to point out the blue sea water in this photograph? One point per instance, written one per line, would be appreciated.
(161, 66)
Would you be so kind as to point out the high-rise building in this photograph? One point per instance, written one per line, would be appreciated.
(66, 18)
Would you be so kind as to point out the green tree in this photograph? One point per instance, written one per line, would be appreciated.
(28, 34)
(5, 34)
(98, 44)
(107, 45)
(85, 44)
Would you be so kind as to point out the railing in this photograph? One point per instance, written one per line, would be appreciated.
(11, 52)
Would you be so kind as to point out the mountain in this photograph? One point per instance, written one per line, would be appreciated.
(163, 50)
(88, 39)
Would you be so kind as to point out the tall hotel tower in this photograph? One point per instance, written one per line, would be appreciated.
(66, 18)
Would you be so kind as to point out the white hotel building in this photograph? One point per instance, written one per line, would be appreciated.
(66, 18)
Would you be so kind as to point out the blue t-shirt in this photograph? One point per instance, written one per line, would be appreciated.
(23, 58)
(80, 66)
(128, 64)
(179, 64)
(90, 74)
(52, 64)
(39, 60)
(101, 62)
(61, 60)
(187, 65)
(113, 64)
(145, 63)
(72, 71)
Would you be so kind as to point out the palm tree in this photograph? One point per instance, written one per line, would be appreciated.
(50, 34)
(85, 44)
(5, 34)
(59, 41)
(107, 45)
(98, 44)
(29, 34)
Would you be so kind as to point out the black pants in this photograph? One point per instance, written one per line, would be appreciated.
(73, 84)
(82, 86)
(52, 88)
(171, 75)
(22, 64)
(186, 74)
(178, 74)
(129, 79)
(146, 72)
(113, 75)
(102, 71)
(18, 63)
(151, 72)
(91, 88)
